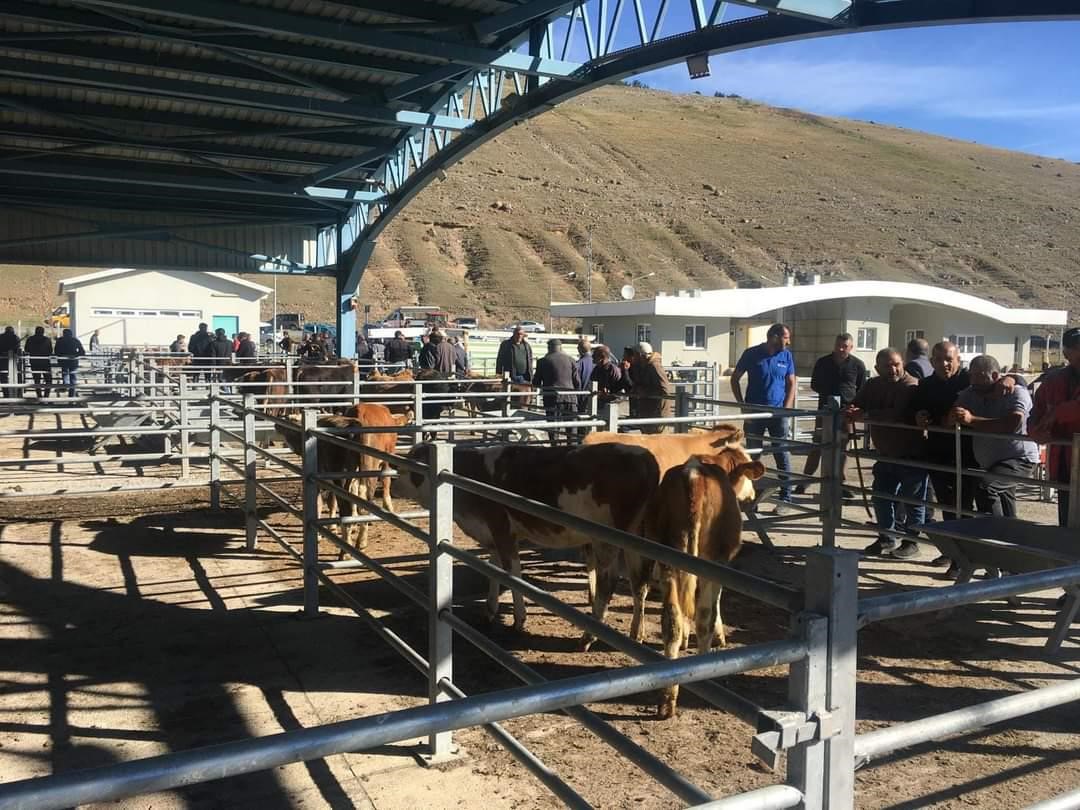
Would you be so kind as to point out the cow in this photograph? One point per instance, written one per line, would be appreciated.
(671, 450)
(609, 484)
(270, 385)
(695, 510)
(375, 415)
(332, 382)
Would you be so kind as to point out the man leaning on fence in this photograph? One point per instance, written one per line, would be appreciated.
(886, 398)
(836, 379)
(10, 349)
(1056, 415)
(69, 349)
(557, 372)
(39, 348)
(984, 408)
(770, 373)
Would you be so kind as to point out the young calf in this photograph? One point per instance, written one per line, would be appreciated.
(696, 511)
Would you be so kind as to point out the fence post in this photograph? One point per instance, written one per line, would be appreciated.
(418, 411)
(611, 414)
(832, 461)
(506, 391)
(715, 395)
(682, 408)
(832, 580)
(13, 374)
(185, 422)
(808, 692)
(251, 506)
(289, 374)
(311, 514)
(440, 590)
(215, 448)
(1074, 484)
(356, 383)
(959, 450)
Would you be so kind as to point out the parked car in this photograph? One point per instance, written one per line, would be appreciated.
(532, 326)
(466, 323)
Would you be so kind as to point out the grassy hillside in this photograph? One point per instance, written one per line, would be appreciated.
(708, 192)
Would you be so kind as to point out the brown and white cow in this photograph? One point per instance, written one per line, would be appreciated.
(696, 511)
(374, 415)
(671, 450)
(609, 484)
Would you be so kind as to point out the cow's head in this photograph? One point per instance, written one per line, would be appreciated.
(402, 419)
(412, 484)
(726, 435)
(741, 470)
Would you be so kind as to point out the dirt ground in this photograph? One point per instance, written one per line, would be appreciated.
(134, 625)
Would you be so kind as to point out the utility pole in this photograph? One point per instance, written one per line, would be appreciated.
(588, 261)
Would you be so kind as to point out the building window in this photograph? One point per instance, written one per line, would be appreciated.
(866, 339)
(146, 313)
(695, 337)
(644, 333)
(914, 334)
(969, 344)
(598, 332)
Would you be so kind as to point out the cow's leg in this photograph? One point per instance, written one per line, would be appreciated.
(639, 570)
(673, 625)
(707, 616)
(358, 532)
(507, 557)
(519, 598)
(602, 562)
(387, 499)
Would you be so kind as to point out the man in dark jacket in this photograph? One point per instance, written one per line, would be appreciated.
(461, 358)
(438, 354)
(9, 345)
(199, 346)
(247, 350)
(515, 357)
(607, 375)
(584, 366)
(398, 350)
(650, 387)
(917, 359)
(555, 372)
(221, 348)
(69, 349)
(39, 348)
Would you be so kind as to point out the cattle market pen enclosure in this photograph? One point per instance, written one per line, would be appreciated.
(804, 722)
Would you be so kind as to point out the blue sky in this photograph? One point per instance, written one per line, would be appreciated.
(1013, 85)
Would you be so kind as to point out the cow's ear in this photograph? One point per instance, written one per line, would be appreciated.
(752, 470)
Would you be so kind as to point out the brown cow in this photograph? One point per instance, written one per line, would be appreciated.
(696, 511)
(607, 483)
(375, 415)
(671, 450)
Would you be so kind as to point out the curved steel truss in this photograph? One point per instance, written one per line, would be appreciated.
(252, 136)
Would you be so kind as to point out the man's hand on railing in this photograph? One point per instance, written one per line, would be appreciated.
(959, 416)
(923, 419)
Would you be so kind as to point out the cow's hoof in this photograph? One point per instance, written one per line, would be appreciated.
(585, 643)
(665, 710)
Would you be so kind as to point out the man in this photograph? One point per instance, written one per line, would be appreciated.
(286, 344)
(69, 349)
(398, 350)
(515, 357)
(221, 348)
(886, 398)
(247, 350)
(178, 346)
(95, 341)
(199, 346)
(918, 363)
(437, 354)
(40, 349)
(983, 409)
(461, 358)
(584, 366)
(1056, 415)
(650, 386)
(607, 375)
(555, 372)
(770, 372)
(836, 378)
(9, 345)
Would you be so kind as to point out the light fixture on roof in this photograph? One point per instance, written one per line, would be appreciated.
(698, 65)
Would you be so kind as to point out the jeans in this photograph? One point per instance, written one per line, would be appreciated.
(896, 479)
(945, 493)
(70, 379)
(778, 428)
(997, 496)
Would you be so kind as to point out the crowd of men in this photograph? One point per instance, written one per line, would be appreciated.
(913, 405)
(39, 348)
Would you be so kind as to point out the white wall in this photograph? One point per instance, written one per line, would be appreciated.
(869, 313)
(668, 336)
(939, 323)
(155, 291)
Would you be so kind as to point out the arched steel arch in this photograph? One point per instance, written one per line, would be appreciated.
(596, 29)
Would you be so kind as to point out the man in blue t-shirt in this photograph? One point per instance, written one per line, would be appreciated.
(770, 381)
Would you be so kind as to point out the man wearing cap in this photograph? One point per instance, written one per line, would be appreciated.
(557, 372)
(770, 372)
(650, 387)
(515, 357)
(1056, 415)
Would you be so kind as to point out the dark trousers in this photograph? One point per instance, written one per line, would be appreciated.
(558, 411)
(997, 496)
(1063, 508)
(42, 383)
(892, 480)
(945, 492)
(777, 428)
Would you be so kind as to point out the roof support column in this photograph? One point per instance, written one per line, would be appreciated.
(350, 270)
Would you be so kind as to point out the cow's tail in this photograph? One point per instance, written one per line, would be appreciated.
(692, 544)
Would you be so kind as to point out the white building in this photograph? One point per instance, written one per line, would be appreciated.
(717, 325)
(151, 307)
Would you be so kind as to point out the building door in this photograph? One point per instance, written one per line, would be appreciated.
(230, 323)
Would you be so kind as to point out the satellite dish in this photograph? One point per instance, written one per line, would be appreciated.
(627, 292)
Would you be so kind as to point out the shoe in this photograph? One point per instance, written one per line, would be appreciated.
(905, 551)
(800, 489)
(783, 508)
(940, 560)
(879, 548)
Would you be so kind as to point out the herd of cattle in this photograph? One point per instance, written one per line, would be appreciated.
(679, 490)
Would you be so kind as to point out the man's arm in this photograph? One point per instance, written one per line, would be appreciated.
(817, 384)
(790, 385)
(736, 386)
(1010, 423)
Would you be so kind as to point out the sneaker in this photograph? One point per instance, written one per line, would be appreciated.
(940, 560)
(879, 548)
(905, 551)
(800, 489)
(784, 508)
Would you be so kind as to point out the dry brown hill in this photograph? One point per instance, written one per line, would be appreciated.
(711, 192)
